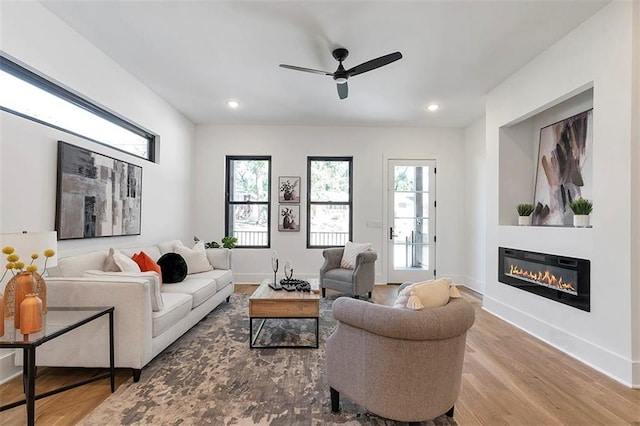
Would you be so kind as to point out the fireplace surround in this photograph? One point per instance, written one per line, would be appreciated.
(559, 278)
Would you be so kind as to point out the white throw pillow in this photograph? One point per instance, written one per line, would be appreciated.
(125, 263)
(154, 280)
(351, 251)
(196, 257)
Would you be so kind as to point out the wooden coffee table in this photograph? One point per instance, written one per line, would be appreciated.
(267, 303)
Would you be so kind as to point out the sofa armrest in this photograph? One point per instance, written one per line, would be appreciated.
(131, 298)
(219, 258)
(451, 320)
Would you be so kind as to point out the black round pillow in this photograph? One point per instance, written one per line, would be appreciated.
(173, 267)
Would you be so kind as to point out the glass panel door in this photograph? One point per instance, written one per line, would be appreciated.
(411, 198)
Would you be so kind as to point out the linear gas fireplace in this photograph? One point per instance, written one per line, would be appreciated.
(563, 279)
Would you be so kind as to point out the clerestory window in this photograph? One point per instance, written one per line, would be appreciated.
(29, 95)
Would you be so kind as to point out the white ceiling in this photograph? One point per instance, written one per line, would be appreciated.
(198, 54)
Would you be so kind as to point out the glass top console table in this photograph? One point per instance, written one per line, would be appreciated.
(56, 322)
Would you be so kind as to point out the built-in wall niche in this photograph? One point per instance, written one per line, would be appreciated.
(518, 146)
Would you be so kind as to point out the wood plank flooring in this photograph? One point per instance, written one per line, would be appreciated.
(509, 378)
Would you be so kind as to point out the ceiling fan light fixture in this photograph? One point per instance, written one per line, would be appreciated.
(433, 107)
(341, 80)
(233, 104)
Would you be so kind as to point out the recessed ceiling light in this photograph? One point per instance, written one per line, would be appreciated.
(233, 104)
(433, 107)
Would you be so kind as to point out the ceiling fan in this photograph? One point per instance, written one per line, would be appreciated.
(341, 75)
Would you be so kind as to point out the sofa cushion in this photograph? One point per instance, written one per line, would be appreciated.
(157, 302)
(223, 277)
(152, 251)
(173, 267)
(110, 263)
(196, 257)
(200, 289)
(125, 263)
(75, 266)
(339, 274)
(351, 251)
(176, 307)
(146, 263)
(167, 246)
(219, 258)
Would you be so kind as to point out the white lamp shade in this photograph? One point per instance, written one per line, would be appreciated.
(27, 243)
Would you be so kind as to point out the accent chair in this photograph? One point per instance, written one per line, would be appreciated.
(399, 364)
(357, 281)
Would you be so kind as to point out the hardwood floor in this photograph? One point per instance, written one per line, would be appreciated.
(509, 378)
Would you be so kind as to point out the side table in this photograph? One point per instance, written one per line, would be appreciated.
(53, 327)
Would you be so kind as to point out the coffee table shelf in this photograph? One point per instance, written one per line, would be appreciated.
(266, 303)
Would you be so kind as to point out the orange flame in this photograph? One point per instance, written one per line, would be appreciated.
(542, 277)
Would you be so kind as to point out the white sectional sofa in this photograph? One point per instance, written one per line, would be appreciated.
(140, 332)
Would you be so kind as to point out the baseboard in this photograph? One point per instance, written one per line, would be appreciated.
(8, 369)
(472, 284)
(601, 359)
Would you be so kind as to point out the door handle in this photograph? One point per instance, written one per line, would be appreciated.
(391, 234)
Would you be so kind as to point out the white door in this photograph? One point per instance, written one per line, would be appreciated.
(411, 224)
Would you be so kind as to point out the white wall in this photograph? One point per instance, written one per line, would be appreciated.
(598, 52)
(475, 192)
(34, 36)
(289, 147)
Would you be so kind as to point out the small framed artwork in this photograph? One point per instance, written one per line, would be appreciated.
(289, 218)
(289, 189)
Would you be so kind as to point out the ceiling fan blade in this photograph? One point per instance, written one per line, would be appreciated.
(343, 90)
(293, 67)
(374, 63)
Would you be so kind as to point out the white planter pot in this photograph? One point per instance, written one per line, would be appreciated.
(524, 220)
(581, 220)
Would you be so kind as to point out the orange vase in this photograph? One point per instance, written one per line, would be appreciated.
(25, 284)
(30, 314)
(1, 315)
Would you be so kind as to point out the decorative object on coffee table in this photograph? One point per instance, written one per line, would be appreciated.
(524, 214)
(30, 314)
(581, 209)
(289, 189)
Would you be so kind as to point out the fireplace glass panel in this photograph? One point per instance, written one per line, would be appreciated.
(545, 275)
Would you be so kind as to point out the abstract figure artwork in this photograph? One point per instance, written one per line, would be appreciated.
(98, 196)
(564, 169)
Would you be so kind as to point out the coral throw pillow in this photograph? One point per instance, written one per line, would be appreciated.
(146, 263)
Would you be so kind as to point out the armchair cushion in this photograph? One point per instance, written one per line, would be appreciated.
(351, 251)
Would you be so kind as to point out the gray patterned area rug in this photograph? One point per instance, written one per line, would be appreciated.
(210, 377)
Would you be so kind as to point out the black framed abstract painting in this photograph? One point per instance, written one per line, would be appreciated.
(97, 195)
(565, 169)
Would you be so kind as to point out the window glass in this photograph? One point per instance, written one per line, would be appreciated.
(329, 201)
(248, 182)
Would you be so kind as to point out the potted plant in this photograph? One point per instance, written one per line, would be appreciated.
(524, 214)
(581, 209)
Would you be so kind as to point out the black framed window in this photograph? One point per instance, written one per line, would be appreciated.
(25, 93)
(248, 200)
(329, 201)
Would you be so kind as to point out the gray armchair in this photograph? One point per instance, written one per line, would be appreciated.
(397, 363)
(357, 281)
